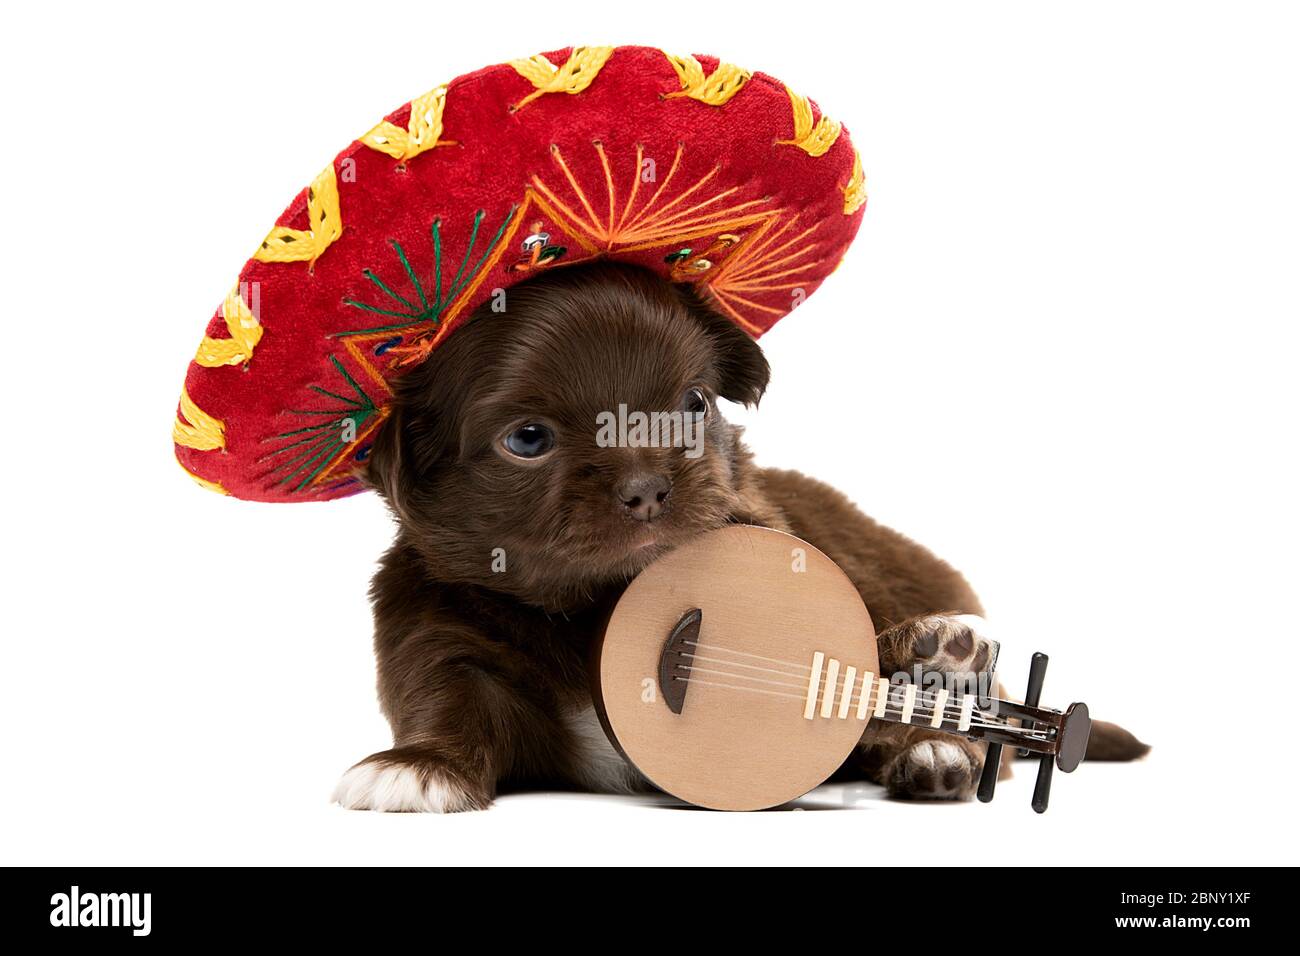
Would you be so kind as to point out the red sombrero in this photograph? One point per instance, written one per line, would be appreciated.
(696, 168)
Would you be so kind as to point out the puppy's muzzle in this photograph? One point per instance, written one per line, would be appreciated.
(644, 494)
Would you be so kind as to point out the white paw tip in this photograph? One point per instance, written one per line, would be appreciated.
(399, 788)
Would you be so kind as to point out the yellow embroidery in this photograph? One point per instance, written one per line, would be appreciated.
(204, 483)
(855, 190)
(715, 89)
(813, 140)
(423, 130)
(203, 432)
(245, 333)
(283, 244)
(574, 76)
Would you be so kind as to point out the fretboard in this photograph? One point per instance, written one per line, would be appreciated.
(838, 691)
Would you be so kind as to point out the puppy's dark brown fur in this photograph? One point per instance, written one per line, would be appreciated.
(488, 601)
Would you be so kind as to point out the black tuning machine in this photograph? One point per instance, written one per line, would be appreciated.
(1059, 740)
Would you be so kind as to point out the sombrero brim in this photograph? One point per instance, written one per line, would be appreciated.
(697, 169)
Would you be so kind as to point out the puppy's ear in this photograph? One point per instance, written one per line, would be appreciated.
(743, 371)
(387, 469)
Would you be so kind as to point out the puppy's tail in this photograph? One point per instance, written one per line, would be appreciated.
(1113, 742)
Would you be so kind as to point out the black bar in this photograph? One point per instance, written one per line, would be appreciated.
(342, 908)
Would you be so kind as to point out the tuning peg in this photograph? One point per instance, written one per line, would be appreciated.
(1037, 672)
(989, 776)
(1043, 785)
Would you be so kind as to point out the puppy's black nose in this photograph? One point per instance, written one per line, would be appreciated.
(644, 495)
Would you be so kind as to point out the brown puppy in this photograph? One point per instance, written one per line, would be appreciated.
(517, 530)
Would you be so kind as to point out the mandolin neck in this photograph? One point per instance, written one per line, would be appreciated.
(843, 692)
(834, 691)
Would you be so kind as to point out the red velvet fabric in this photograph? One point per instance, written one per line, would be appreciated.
(283, 413)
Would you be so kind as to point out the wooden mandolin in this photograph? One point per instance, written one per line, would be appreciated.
(738, 672)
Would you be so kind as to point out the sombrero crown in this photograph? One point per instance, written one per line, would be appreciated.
(695, 168)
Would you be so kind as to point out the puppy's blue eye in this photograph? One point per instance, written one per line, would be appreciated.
(530, 441)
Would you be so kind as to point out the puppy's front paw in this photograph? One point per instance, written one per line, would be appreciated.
(934, 770)
(397, 783)
(948, 644)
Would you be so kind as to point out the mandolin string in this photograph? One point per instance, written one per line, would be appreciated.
(1022, 733)
(955, 706)
(923, 703)
(763, 680)
(956, 699)
(718, 647)
(752, 667)
(891, 702)
(924, 700)
(802, 677)
(804, 668)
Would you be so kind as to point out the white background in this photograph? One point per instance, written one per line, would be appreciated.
(1061, 353)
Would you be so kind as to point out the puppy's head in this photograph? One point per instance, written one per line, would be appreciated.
(558, 446)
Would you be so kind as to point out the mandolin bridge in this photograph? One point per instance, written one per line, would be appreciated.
(675, 659)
